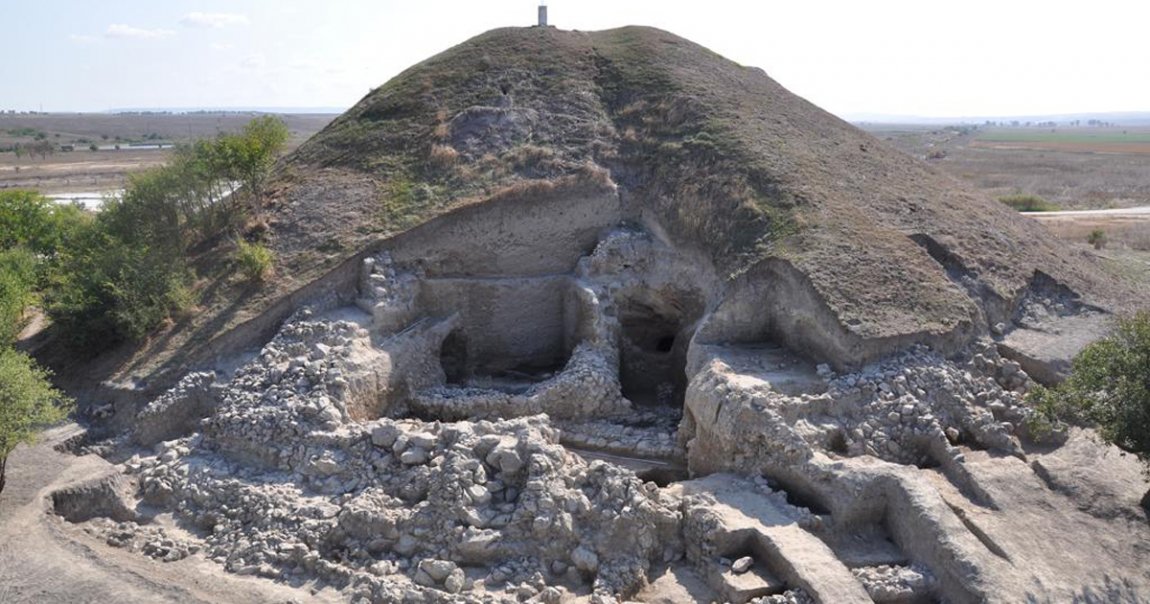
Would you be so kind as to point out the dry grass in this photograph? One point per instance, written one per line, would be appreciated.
(1120, 232)
(1072, 174)
(443, 156)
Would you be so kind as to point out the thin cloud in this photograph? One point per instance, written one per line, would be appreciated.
(119, 30)
(216, 20)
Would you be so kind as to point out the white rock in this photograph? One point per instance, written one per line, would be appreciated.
(438, 570)
(414, 456)
(384, 435)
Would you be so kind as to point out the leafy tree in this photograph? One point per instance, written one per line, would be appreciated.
(250, 155)
(28, 219)
(27, 403)
(23, 217)
(111, 291)
(127, 271)
(17, 282)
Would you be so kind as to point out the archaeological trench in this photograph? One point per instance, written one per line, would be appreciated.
(570, 392)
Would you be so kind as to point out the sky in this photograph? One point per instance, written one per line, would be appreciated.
(894, 57)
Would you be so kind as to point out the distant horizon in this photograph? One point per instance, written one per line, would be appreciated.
(893, 57)
(1116, 117)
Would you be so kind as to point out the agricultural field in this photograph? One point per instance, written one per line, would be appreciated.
(1072, 168)
(94, 153)
(1058, 168)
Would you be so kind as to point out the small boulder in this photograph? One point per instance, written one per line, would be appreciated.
(438, 570)
(506, 459)
(413, 456)
(585, 560)
(384, 435)
(455, 581)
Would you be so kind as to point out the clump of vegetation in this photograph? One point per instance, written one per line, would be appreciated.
(1097, 238)
(443, 156)
(27, 399)
(28, 402)
(17, 283)
(1109, 387)
(1025, 202)
(118, 275)
(255, 260)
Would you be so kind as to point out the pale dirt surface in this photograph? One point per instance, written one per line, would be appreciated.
(1068, 512)
(676, 584)
(44, 559)
(78, 170)
(1109, 212)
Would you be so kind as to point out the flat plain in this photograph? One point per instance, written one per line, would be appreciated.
(94, 152)
(1075, 168)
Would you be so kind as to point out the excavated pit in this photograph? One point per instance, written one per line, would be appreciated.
(510, 334)
(656, 333)
(651, 372)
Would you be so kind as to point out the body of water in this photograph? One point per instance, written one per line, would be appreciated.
(91, 200)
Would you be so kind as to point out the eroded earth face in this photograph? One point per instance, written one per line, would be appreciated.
(598, 433)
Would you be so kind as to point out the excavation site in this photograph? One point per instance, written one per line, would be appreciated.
(566, 316)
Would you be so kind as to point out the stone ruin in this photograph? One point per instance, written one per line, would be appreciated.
(549, 424)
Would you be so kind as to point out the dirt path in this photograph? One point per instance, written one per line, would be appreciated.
(44, 559)
(1139, 211)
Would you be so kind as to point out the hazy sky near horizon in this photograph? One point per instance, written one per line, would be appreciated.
(970, 58)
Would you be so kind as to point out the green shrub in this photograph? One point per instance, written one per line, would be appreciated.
(1109, 386)
(28, 402)
(109, 291)
(255, 260)
(17, 282)
(32, 221)
(23, 217)
(1024, 202)
(1097, 238)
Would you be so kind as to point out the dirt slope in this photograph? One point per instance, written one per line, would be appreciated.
(44, 559)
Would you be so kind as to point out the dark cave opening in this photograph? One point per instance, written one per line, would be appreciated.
(463, 368)
(656, 331)
(453, 358)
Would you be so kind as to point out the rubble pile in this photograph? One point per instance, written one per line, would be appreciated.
(282, 484)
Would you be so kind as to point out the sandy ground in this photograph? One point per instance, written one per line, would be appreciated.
(44, 559)
(1109, 213)
(77, 170)
(1125, 230)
